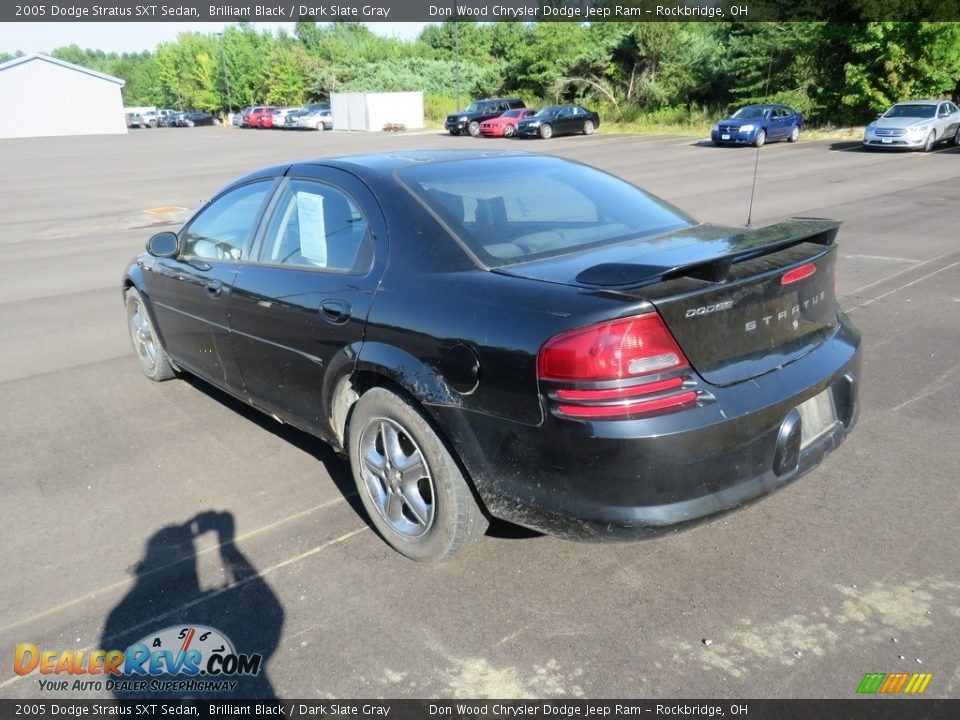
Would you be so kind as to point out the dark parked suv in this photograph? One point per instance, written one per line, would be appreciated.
(479, 110)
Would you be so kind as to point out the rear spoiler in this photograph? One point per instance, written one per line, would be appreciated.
(713, 250)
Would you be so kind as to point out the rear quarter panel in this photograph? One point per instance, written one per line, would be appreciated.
(433, 298)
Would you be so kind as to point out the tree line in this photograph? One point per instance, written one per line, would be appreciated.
(834, 73)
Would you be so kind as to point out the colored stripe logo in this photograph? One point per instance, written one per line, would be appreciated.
(894, 683)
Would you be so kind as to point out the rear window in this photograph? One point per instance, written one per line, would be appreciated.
(510, 210)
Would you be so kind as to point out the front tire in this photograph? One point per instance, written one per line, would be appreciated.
(930, 142)
(794, 134)
(761, 138)
(473, 128)
(588, 127)
(410, 485)
(546, 131)
(508, 130)
(154, 360)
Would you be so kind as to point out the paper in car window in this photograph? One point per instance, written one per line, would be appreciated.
(313, 234)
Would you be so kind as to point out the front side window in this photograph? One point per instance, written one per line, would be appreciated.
(316, 225)
(221, 229)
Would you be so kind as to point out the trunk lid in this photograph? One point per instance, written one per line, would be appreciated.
(723, 292)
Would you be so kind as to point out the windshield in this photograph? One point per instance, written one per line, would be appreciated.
(549, 110)
(911, 111)
(512, 113)
(508, 210)
(751, 111)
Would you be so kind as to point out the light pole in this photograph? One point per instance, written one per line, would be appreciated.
(456, 45)
(226, 79)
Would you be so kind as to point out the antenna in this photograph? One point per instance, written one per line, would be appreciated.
(753, 187)
(756, 161)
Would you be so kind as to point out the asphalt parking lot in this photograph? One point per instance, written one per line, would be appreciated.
(130, 506)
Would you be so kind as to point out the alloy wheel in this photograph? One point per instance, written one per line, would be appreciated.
(396, 477)
(144, 341)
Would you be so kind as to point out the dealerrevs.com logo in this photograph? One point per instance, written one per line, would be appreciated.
(177, 659)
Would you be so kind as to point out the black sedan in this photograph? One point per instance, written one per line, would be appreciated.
(757, 125)
(195, 119)
(559, 120)
(508, 335)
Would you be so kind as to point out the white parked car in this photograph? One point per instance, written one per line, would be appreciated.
(915, 125)
(280, 116)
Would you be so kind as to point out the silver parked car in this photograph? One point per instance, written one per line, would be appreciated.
(316, 116)
(914, 124)
(238, 116)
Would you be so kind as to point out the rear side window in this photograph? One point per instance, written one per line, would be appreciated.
(316, 225)
(508, 210)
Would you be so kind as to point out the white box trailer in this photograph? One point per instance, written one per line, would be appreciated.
(367, 111)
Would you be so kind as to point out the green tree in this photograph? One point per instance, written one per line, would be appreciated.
(896, 61)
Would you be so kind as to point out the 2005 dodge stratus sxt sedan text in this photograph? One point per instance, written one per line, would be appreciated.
(508, 335)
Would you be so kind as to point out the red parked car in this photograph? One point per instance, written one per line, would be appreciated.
(505, 125)
(255, 118)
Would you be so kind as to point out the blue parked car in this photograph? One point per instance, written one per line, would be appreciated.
(758, 124)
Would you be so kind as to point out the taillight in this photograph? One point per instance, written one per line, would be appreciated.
(614, 350)
(632, 352)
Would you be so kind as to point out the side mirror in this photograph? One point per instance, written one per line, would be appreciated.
(164, 245)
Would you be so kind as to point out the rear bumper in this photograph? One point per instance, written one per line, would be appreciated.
(630, 479)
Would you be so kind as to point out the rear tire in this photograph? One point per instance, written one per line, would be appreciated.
(794, 134)
(154, 360)
(546, 131)
(410, 484)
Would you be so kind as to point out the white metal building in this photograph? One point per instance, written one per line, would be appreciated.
(45, 96)
(374, 110)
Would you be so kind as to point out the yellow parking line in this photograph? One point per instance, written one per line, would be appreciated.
(164, 209)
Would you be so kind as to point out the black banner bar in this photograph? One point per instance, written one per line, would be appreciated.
(874, 708)
(479, 10)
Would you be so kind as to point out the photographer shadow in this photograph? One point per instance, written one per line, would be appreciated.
(168, 594)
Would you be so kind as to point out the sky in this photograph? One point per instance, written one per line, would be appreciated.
(136, 36)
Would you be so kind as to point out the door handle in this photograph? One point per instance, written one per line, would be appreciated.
(214, 288)
(335, 311)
